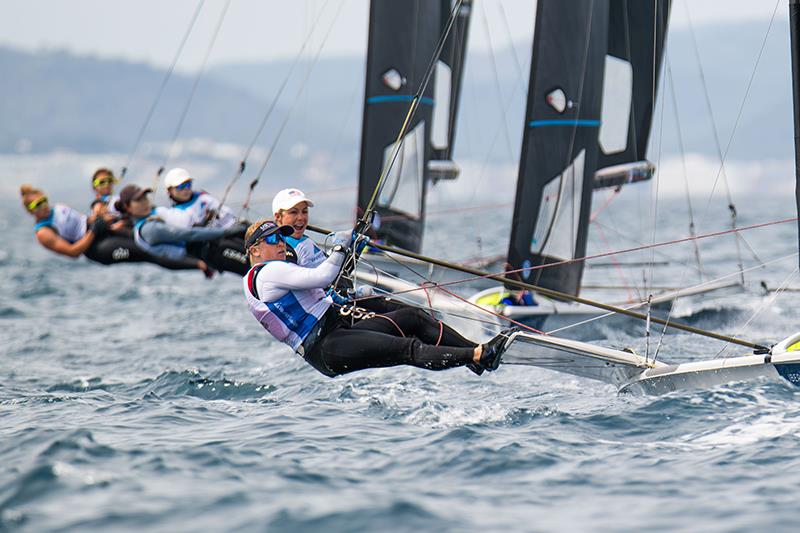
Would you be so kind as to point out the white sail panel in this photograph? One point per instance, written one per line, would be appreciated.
(616, 111)
(440, 123)
(556, 231)
(403, 188)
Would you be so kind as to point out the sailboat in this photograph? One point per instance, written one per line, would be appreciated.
(630, 372)
(593, 76)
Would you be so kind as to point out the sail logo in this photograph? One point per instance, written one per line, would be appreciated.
(393, 79)
(558, 100)
(120, 254)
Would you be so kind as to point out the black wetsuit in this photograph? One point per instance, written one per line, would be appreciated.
(397, 335)
(112, 249)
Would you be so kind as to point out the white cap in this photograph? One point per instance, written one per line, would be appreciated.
(288, 198)
(176, 176)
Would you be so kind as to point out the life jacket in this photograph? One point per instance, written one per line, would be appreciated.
(171, 250)
(308, 253)
(291, 317)
(110, 201)
(198, 207)
(67, 222)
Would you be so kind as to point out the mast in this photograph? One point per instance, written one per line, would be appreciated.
(560, 141)
(794, 26)
(403, 36)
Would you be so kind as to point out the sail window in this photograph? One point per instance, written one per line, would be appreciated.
(441, 108)
(617, 95)
(402, 190)
(556, 232)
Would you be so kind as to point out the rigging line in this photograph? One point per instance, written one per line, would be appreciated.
(415, 303)
(640, 304)
(624, 237)
(412, 108)
(497, 82)
(517, 62)
(160, 91)
(692, 230)
(557, 294)
(303, 84)
(464, 300)
(657, 178)
(763, 306)
(391, 250)
(724, 155)
(196, 83)
(297, 59)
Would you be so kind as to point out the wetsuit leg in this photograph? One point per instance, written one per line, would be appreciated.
(225, 255)
(115, 249)
(414, 322)
(346, 350)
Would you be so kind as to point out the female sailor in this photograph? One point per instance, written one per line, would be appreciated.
(103, 181)
(290, 207)
(166, 232)
(201, 208)
(71, 233)
(291, 304)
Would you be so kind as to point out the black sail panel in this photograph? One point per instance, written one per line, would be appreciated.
(636, 34)
(560, 147)
(402, 39)
(449, 78)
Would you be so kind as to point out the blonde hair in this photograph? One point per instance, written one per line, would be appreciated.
(249, 233)
(26, 191)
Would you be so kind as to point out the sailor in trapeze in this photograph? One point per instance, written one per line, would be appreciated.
(291, 303)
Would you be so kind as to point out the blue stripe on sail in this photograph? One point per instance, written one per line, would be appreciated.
(563, 122)
(398, 98)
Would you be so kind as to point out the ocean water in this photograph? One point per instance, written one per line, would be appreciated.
(133, 398)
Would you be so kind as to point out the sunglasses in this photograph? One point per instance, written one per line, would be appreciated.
(34, 205)
(272, 240)
(183, 186)
(100, 182)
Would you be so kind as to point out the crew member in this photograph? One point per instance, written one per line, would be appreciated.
(202, 208)
(290, 207)
(164, 232)
(68, 232)
(289, 302)
(103, 182)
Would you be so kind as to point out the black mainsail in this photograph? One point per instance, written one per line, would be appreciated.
(636, 36)
(402, 39)
(560, 141)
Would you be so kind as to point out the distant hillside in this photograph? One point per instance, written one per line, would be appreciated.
(53, 100)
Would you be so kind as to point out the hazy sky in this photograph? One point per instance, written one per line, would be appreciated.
(257, 30)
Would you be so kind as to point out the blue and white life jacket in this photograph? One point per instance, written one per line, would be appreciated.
(67, 222)
(308, 253)
(171, 250)
(291, 317)
(198, 207)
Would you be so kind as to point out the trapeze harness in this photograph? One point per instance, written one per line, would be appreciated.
(68, 223)
(335, 339)
(308, 253)
(200, 205)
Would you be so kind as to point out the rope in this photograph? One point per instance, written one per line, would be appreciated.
(271, 108)
(411, 111)
(188, 104)
(623, 251)
(160, 91)
(675, 292)
(692, 226)
(277, 138)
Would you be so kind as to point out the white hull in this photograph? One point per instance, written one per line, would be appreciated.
(630, 372)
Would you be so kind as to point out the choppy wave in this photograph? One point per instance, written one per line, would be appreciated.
(137, 399)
